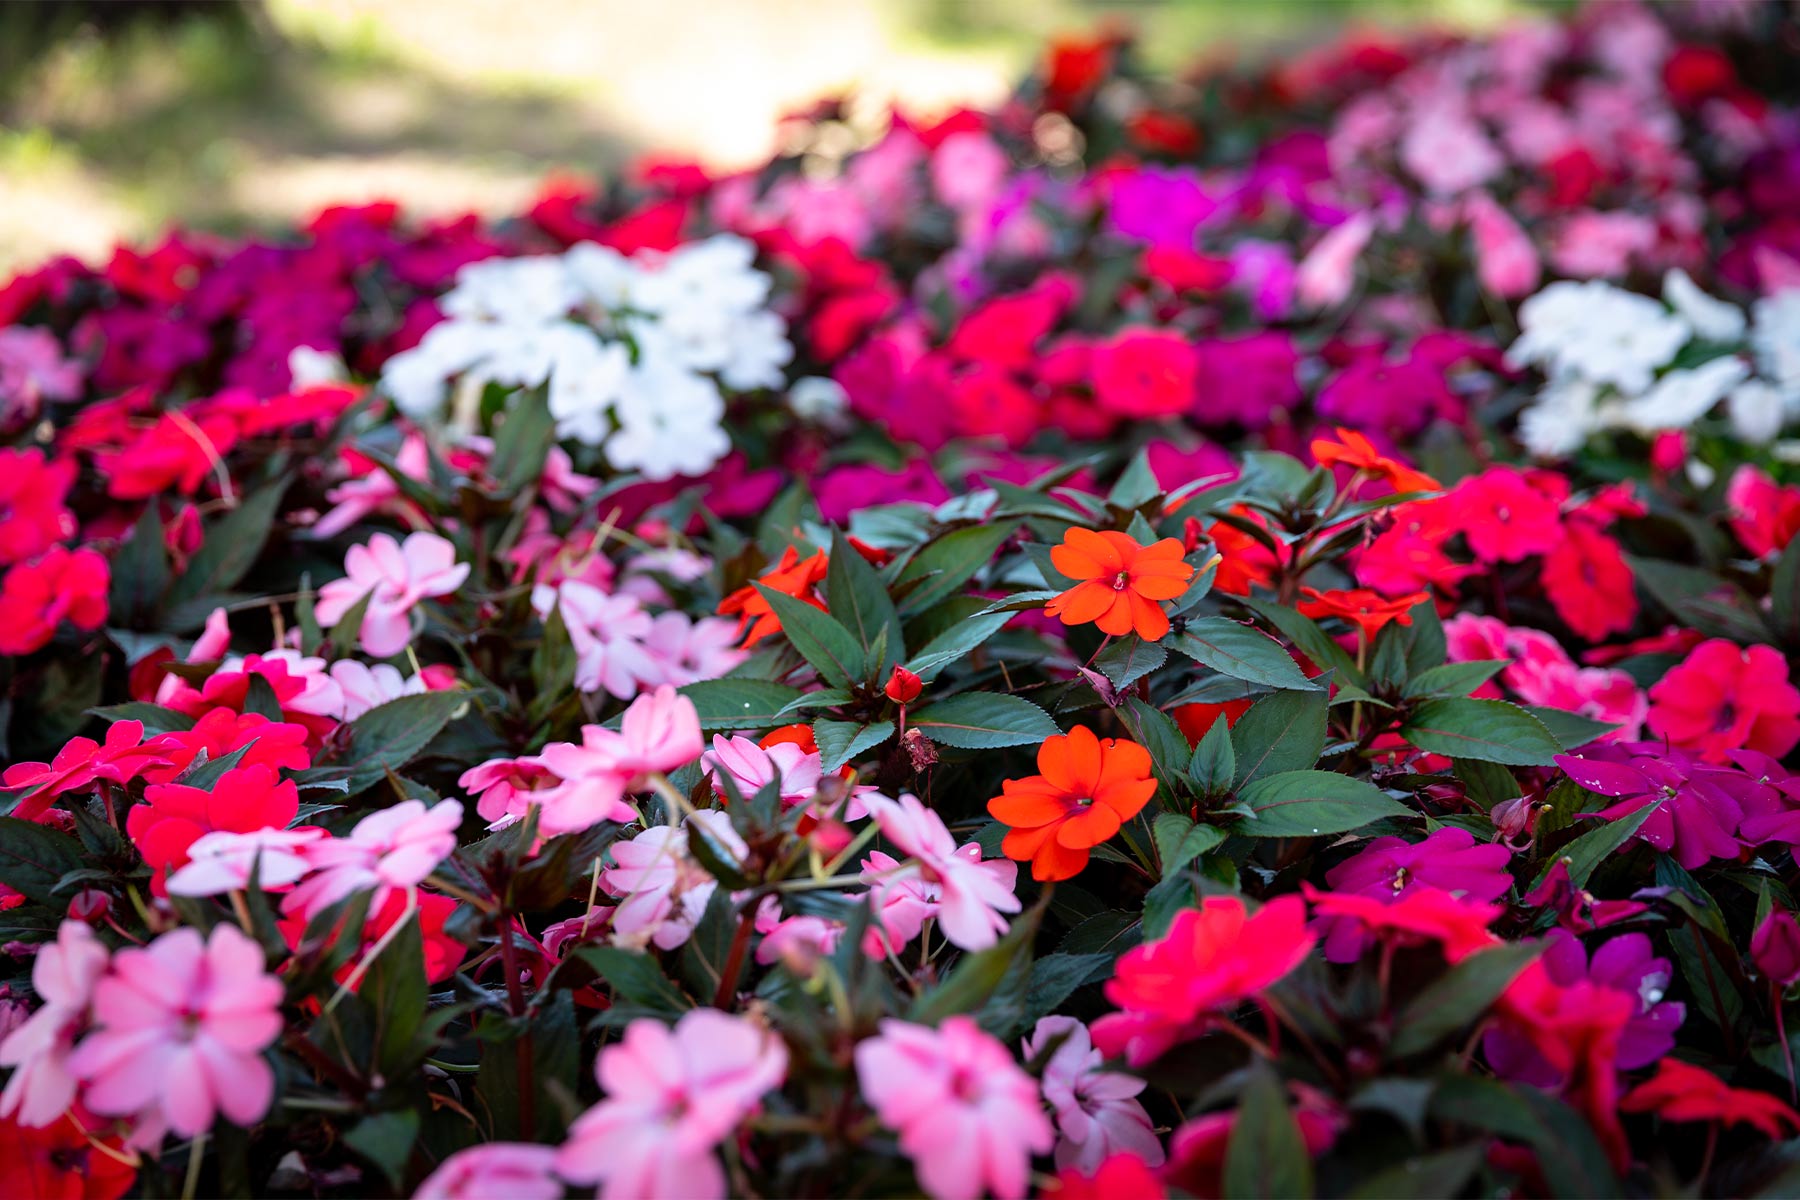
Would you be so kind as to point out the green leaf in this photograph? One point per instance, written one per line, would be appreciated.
(140, 571)
(155, 717)
(949, 562)
(1701, 599)
(1266, 1158)
(1589, 850)
(390, 735)
(1240, 651)
(1425, 1176)
(820, 638)
(1020, 602)
(955, 644)
(34, 857)
(1453, 680)
(231, 546)
(1213, 767)
(1129, 659)
(977, 976)
(841, 741)
(1489, 730)
(636, 979)
(1055, 977)
(1157, 732)
(523, 441)
(1284, 731)
(860, 601)
(1312, 641)
(725, 704)
(1305, 803)
(1459, 997)
(1179, 840)
(1571, 730)
(1137, 485)
(386, 1141)
(1572, 1159)
(1784, 597)
(984, 721)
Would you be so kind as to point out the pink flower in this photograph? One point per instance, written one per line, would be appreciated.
(672, 1095)
(513, 1170)
(967, 1115)
(42, 1086)
(1505, 517)
(37, 596)
(78, 764)
(663, 889)
(1594, 245)
(1764, 515)
(1096, 1111)
(395, 576)
(508, 787)
(1722, 698)
(658, 733)
(900, 904)
(1447, 152)
(1506, 262)
(387, 851)
(973, 894)
(180, 1026)
(798, 941)
(687, 651)
(607, 633)
(1326, 274)
(223, 861)
(364, 687)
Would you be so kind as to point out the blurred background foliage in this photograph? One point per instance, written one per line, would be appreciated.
(119, 117)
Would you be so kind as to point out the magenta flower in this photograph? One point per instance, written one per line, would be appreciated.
(672, 1095)
(973, 894)
(395, 576)
(968, 1117)
(515, 1170)
(1693, 818)
(1388, 868)
(1097, 1113)
(180, 1026)
(42, 1085)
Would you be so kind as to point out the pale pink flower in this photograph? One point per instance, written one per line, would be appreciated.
(672, 1095)
(798, 941)
(968, 1117)
(214, 642)
(222, 861)
(1447, 152)
(1506, 261)
(751, 767)
(1326, 274)
(508, 787)
(32, 369)
(967, 169)
(180, 1026)
(395, 576)
(972, 894)
(900, 902)
(663, 889)
(607, 634)
(42, 1085)
(658, 733)
(374, 491)
(390, 850)
(496, 1171)
(364, 687)
(1096, 1111)
(687, 651)
(561, 485)
(1595, 245)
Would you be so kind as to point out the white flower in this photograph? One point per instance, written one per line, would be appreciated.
(757, 349)
(607, 278)
(1562, 420)
(817, 398)
(1756, 411)
(311, 367)
(1713, 319)
(1599, 332)
(1681, 397)
(668, 423)
(584, 385)
(1776, 340)
(532, 290)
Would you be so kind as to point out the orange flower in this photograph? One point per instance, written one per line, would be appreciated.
(1354, 450)
(756, 620)
(1089, 787)
(1368, 611)
(1122, 582)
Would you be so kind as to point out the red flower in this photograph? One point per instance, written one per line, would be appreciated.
(1163, 132)
(33, 516)
(1074, 68)
(1683, 1092)
(36, 597)
(1369, 611)
(1723, 698)
(1122, 1175)
(1244, 562)
(1577, 1029)
(1212, 958)
(58, 1162)
(1197, 720)
(1088, 788)
(178, 452)
(175, 815)
(1145, 373)
(1357, 452)
(1764, 515)
(443, 953)
(79, 763)
(903, 687)
(1122, 582)
(271, 744)
(1427, 914)
(1505, 516)
(1589, 583)
(792, 577)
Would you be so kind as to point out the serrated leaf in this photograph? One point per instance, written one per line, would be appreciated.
(1129, 659)
(1157, 732)
(1571, 730)
(1179, 840)
(34, 858)
(1307, 803)
(1284, 731)
(841, 741)
(955, 643)
(1213, 766)
(984, 721)
(820, 638)
(636, 978)
(1453, 680)
(728, 704)
(1489, 730)
(1588, 851)
(1240, 651)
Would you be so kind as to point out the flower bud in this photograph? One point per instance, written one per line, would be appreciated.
(903, 687)
(829, 837)
(90, 905)
(1775, 947)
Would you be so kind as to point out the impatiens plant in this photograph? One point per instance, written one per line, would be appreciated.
(1238, 638)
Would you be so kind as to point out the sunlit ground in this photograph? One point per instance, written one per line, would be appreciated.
(451, 105)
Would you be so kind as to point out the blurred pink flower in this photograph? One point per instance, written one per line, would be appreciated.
(967, 1115)
(42, 1085)
(223, 861)
(513, 1170)
(973, 894)
(1096, 1111)
(180, 1026)
(1325, 275)
(1506, 262)
(672, 1095)
(390, 850)
(395, 576)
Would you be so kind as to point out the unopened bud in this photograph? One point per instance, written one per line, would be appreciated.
(903, 687)
(90, 905)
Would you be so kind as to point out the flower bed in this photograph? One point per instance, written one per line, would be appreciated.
(1231, 637)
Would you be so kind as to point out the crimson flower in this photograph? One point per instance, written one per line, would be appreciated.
(244, 800)
(1722, 698)
(79, 763)
(38, 596)
(1680, 1091)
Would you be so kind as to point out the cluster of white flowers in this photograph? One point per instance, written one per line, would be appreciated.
(1608, 355)
(635, 350)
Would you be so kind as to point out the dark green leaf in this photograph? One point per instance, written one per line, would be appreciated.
(1592, 848)
(1179, 841)
(1425, 1177)
(1213, 767)
(156, 718)
(984, 721)
(636, 979)
(1305, 803)
(1460, 997)
(841, 741)
(33, 858)
(820, 638)
(1137, 485)
(949, 562)
(1489, 730)
(1266, 1158)
(976, 976)
(725, 704)
(523, 441)
(955, 644)
(1129, 659)
(386, 1141)
(1701, 599)
(1240, 651)
(390, 735)
(1571, 730)
(1284, 731)
(1453, 679)
(860, 601)
(1157, 732)
(231, 546)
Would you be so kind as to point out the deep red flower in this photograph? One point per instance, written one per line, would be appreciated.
(220, 731)
(903, 687)
(1196, 720)
(174, 815)
(58, 1162)
(1680, 1091)
(1577, 1029)
(1426, 915)
(1244, 561)
(36, 597)
(1506, 516)
(121, 758)
(1764, 515)
(1121, 1176)
(176, 453)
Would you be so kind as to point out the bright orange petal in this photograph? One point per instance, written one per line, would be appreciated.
(1083, 603)
(1021, 844)
(1096, 546)
(1024, 809)
(1150, 621)
(1088, 827)
(1126, 799)
(1124, 761)
(1054, 861)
